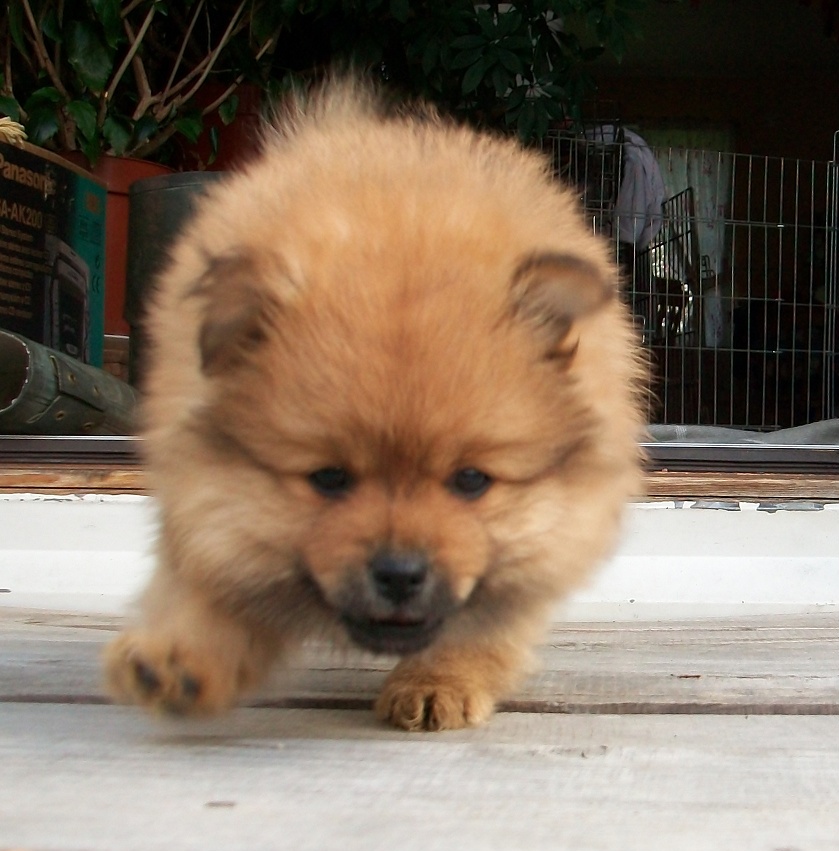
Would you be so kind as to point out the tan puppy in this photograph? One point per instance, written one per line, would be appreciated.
(394, 395)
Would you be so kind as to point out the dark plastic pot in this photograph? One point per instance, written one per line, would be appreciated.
(158, 209)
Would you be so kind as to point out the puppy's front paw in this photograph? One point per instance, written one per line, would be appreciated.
(418, 698)
(167, 676)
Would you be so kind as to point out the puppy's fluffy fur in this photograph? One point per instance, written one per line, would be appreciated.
(393, 396)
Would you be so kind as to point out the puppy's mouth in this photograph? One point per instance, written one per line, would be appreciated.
(394, 635)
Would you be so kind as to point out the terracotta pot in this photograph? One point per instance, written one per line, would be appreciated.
(118, 173)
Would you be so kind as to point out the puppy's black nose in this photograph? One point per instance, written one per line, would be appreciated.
(398, 576)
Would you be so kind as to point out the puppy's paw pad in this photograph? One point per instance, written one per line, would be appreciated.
(145, 678)
(432, 706)
(142, 669)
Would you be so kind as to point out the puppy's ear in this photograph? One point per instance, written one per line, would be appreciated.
(238, 313)
(551, 291)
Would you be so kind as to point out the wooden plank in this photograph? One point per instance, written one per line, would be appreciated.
(65, 478)
(107, 478)
(649, 769)
(741, 486)
(779, 664)
(99, 777)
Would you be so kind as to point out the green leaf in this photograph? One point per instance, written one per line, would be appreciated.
(16, 26)
(92, 150)
(467, 42)
(486, 22)
(501, 80)
(87, 54)
(109, 15)
(10, 107)
(468, 57)
(555, 109)
(190, 126)
(508, 23)
(227, 111)
(516, 99)
(518, 43)
(51, 26)
(569, 41)
(510, 61)
(46, 96)
(117, 133)
(44, 121)
(144, 128)
(84, 115)
(445, 57)
(553, 91)
(473, 77)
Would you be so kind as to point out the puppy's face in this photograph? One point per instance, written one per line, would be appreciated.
(412, 441)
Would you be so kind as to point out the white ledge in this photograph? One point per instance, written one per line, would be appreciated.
(94, 553)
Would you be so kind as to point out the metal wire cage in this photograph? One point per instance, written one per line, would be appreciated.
(730, 262)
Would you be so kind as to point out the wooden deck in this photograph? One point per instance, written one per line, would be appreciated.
(716, 734)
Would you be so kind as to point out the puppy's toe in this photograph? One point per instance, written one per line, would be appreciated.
(432, 703)
(165, 676)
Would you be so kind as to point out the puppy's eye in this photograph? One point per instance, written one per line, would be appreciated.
(469, 483)
(331, 481)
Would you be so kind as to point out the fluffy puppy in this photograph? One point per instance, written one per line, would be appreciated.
(393, 396)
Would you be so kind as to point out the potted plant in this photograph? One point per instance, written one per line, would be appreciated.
(125, 77)
(120, 85)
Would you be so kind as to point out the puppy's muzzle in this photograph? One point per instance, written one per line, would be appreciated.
(399, 605)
